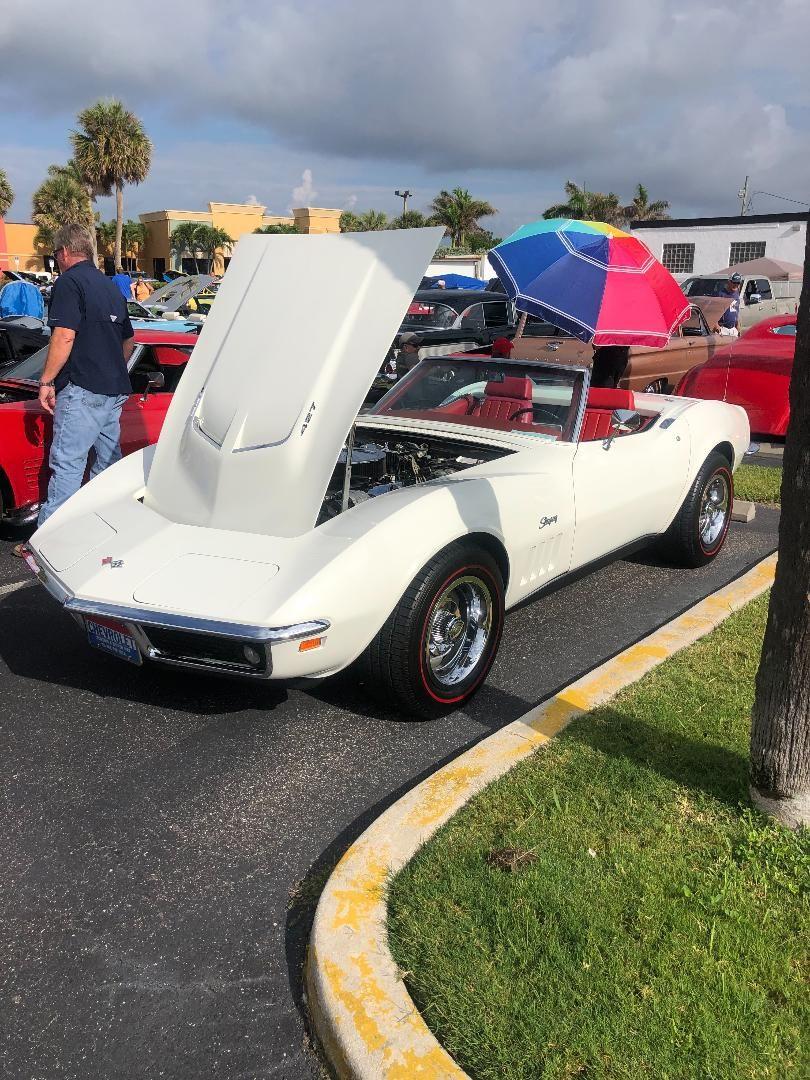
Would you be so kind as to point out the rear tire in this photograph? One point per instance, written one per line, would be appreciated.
(699, 531)
(438, 645)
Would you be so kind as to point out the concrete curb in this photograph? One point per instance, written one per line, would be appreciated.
(361, 1013)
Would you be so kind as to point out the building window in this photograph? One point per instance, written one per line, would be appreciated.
(158, 267)
(129, 264)
(679, 258)
(745, 250)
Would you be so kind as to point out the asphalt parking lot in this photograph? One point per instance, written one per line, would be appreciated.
(165, 835)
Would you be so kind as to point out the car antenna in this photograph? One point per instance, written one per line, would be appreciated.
(347, 475)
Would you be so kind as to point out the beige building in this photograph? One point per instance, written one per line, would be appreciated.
(17, 250)
(235, 218)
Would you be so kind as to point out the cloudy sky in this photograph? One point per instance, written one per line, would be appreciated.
(338, 103)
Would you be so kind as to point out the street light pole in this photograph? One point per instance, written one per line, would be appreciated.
(404, 195)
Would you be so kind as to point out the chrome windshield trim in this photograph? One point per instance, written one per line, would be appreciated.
(242, 631)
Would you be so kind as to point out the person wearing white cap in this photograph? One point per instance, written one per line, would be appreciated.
(727, 323)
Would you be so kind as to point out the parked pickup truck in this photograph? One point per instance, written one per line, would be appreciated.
(761, 298)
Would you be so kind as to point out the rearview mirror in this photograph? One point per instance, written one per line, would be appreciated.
(622, 422)
(754, 298)
(155, 380)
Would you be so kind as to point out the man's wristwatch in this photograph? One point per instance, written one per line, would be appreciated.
(51, 383)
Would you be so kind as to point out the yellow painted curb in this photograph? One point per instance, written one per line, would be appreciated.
(361, 1013)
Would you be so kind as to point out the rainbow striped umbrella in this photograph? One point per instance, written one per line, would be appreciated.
(591, 279)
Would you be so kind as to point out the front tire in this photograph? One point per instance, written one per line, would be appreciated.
(438, 645)
(699, 531)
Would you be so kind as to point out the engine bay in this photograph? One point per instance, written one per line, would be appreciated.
(391, 463)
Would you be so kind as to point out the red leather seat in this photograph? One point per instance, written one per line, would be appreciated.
(462, 406)
(506, 398)
(601, 403)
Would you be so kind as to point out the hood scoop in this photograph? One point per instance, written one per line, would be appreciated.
(300, 327)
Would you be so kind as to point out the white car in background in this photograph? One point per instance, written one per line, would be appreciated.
(242, 545)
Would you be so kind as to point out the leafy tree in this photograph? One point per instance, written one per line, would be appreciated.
(411, 219)
(459, 212)
(641, 209)
(61, 199)
(780, 731)
(349, 222)
(210, 239)
(111, 149)
(6, 194)
(105, 236)
(585, 205)
(133, 237)
(482, 241)
(184, 239)
(281, 229)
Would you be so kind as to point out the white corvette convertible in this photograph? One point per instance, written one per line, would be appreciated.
(256, 540)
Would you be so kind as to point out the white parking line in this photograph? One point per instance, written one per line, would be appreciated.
(6, 589)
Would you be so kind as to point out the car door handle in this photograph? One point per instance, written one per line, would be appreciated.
(552, 345)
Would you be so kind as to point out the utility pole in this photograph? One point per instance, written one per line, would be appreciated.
(742, 195)
(404, 195)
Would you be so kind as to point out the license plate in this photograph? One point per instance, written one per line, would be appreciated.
(114, 638)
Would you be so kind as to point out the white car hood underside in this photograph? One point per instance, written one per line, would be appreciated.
(300, 326)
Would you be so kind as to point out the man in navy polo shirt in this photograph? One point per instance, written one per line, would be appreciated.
(728, 321)
(84, 383)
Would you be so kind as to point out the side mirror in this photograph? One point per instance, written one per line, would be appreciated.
(754, 298)
(155, 380)
(622, 422)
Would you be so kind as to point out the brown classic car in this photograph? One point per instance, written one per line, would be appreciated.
(650, 370)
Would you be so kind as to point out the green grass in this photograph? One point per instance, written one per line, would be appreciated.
(756, 483)
(660, 930)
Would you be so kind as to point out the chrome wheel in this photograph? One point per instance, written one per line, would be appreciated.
(457, 631)
(657, 387)
(714, 509)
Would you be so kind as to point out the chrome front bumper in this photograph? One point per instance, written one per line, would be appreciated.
(224, 648)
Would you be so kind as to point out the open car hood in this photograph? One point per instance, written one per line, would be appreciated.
(300, 328)
(172, 296)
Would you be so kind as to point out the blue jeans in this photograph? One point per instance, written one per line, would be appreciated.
(81, 422)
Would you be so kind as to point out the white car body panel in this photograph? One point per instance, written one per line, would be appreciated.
(189, 534)
(255, 427)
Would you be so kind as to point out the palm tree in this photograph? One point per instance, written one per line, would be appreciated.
(6, 194)
(184, 239)
(586, 205)
(210, 239)
(133, 237)
(641, 209)
(276, 229)
(370, 221)
(459, 212)
(105, 236)
(411, 219)
(59, 200)
(110, 150)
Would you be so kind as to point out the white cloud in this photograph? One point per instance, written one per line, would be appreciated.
(305, 192)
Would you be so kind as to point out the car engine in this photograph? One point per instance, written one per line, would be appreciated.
(380, 467)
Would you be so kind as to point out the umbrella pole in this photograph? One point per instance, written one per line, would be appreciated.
(521, 326)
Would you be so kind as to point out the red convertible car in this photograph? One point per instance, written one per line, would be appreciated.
(753, 372)
(155, 367)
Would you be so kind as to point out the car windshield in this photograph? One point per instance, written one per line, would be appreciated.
(706, 286)
(30, 368)
(425, 314)
(788, 329)
(481, 393)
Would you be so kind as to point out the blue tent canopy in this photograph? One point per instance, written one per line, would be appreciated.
(456, 281)
(21, 298)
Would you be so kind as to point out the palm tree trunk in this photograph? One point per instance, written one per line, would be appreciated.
(119, 225)
(780, 732)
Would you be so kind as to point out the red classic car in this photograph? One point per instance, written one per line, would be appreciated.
(155, 367)
(753, 372)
